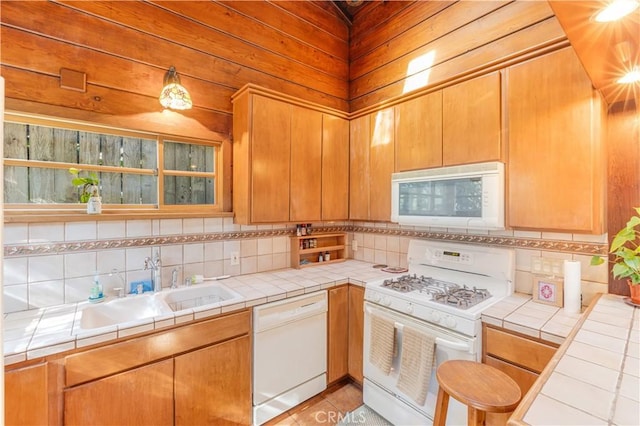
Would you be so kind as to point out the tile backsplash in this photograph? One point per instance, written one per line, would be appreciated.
(54, 263)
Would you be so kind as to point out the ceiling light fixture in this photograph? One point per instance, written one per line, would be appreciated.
(632, 76)
(617, 9)
(174, 95)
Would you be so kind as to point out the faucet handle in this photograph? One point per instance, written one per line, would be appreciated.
(120, 291)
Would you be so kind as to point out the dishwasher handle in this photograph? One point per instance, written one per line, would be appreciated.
(286, 311)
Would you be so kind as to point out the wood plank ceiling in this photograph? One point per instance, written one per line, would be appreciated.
(599, 46)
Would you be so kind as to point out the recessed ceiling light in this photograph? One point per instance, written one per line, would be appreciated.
(632, 76)
(616, 10)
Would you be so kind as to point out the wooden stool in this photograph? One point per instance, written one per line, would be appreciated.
(481, 387)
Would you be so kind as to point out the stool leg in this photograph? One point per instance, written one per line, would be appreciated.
(475, 417)
(442, 405)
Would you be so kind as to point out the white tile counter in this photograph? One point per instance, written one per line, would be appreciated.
(521, 314)
(37, 333)
(594, 377)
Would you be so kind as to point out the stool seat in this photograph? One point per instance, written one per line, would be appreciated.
(481, 387)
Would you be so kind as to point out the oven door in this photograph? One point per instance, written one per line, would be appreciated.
(380, 390)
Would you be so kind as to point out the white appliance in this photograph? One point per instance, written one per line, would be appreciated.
(289, 354)
(467, 196)
(447, 287)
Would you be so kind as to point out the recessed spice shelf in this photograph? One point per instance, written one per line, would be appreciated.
(306, 250)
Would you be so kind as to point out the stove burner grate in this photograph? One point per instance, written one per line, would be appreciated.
(444, 292)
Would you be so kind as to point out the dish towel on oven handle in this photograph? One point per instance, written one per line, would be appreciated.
(416, 363)
(382, 343)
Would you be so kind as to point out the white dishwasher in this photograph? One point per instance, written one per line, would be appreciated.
(289, 353)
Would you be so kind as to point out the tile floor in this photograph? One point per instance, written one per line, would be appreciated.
(327, 408)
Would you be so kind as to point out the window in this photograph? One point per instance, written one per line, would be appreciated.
(135, 170)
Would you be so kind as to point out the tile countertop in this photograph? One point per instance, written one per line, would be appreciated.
(48, 331)
(521, 314)
(594, 377)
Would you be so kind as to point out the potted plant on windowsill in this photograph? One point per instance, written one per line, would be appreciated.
(89, 193)
(625, 248)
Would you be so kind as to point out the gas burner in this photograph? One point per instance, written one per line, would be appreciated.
(463, 298)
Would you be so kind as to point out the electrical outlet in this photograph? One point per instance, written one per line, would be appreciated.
(354, 246)
(235, 258)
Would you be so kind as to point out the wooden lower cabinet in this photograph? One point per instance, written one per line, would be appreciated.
(213, 385)
(338, 333)
(356, 332)
(523, 358)
(140, 396)
(25, 396)
(199, 373)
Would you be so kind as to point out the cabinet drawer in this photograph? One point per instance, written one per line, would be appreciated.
(524, 378)
(518, 350)
(114, 358)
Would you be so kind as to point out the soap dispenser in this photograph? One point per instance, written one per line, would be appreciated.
(96, 289)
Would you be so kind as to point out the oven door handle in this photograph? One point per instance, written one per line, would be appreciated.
(453, 345)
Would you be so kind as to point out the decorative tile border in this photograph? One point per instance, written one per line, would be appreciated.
(500, 241)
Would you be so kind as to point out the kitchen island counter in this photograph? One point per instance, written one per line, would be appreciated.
(594, 377)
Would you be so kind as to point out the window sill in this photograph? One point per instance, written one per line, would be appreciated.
(66, 215)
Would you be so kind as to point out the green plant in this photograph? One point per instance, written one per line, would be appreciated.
(88, 184)
(626, 251)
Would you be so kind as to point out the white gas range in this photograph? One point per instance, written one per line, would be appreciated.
(442, 295)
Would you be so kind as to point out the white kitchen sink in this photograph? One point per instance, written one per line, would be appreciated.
(123, 310)
(200, 295)
(139, 307)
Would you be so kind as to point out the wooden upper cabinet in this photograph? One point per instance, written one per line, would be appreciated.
(371, 164)
(335, 168)
(306, 161)
(418, 132)
(556, 172)
(359, 168)
(471, 121)
(270, 157)
(290, 159)
(382, 162)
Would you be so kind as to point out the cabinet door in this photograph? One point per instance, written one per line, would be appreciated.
(556, 168)
(25, 396)
(381, 163)
(356, 332)
(359, 168)
(270, 159)
(335, 168)
(471, 121)
(140, 396)
(213, 385)
(306, 161)
(338, 333)
(418, 130)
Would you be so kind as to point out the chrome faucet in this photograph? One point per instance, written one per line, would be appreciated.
(156, 270)
(174, 278)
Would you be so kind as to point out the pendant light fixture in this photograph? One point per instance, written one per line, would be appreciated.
(174, 95)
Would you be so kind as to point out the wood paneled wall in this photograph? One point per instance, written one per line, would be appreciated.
(397, 47)
(125, 47)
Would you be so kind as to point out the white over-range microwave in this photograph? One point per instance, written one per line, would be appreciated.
(466, 196)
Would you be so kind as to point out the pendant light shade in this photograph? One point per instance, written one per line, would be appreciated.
(174, 95)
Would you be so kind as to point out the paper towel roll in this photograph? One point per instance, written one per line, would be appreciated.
(572, 287)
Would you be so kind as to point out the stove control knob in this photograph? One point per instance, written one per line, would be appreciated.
(409, 308)
(376, 297)
(435, 316)
(450, 322)
(386, 301)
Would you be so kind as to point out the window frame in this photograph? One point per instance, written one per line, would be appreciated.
(20, 212)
